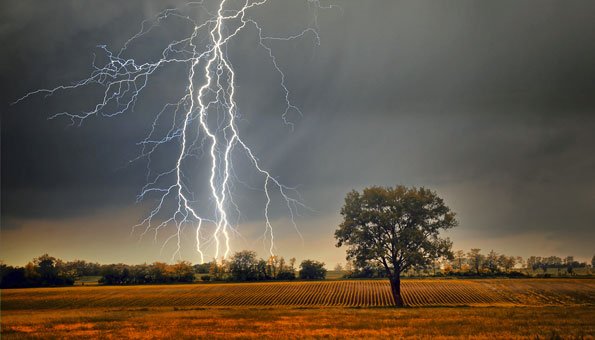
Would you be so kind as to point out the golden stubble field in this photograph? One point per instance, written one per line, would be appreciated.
(491, 308)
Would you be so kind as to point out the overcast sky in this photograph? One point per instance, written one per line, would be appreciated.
(491, 104)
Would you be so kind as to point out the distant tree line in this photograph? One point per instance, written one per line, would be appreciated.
(47, 271)
(475, 263)
(157, 272)
(43, 271)
(567, 265)
(245, 266)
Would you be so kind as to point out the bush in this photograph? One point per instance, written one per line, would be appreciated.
(285, 275)
(205, 278)
(312, 270)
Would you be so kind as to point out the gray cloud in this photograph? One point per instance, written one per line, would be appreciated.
(489, 103)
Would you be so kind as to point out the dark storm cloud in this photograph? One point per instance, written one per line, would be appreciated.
(491, 103)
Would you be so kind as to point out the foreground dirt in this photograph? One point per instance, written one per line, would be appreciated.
(282, 323)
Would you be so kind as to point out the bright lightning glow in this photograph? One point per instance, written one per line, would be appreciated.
(204, 118)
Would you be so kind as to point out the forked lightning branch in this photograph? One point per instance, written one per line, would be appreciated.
(205, 118)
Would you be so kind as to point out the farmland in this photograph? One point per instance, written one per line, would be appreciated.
(348, 308)
(343, 293)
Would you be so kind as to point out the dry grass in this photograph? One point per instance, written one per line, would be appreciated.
(242, 322)
(512, 309)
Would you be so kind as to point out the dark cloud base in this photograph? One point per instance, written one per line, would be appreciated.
(490, 103)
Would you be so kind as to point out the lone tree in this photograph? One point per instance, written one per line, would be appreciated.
(396, 228)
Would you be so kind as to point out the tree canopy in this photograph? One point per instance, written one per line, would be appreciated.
(395, 227)
(312, 270)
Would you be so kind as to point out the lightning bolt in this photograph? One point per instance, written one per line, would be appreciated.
(203, 120)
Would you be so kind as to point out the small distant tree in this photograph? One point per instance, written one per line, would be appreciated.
(278, 269)
(459, 256)
(271, 267)
(475, 259)
(570, 264)
(51, 271)
(530, 262)
(286, 275)
(491, 262)
(506, 262)
(113, 274)
(312, 270)
(543, 265)
(261, 270)
(465, 268)
(447, 268)
(348, 268)
(338, 268)
(243, 266)
(158, 272)
(202, 268)
(183, 271)
(534, 263)
(275, 266)
(281, 266)
(46, 268)
(218, 271)
(140, 274)
(554, 262)
(31, 273)
(78, 267)
(396, 228)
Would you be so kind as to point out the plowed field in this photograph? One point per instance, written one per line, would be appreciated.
(360, 293)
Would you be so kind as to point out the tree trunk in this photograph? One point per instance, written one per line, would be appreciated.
(395, 287)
